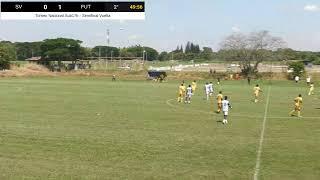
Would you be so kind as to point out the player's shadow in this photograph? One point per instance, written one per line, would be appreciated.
(317, 108)
(219, 121)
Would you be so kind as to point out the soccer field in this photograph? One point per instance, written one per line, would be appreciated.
(93, 128)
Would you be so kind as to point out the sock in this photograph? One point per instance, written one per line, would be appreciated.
(291, 112)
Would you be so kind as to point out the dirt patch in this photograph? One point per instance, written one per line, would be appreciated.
(39, 70)
(27, 70)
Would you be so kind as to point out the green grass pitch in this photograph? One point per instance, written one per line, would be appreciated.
(93, 128)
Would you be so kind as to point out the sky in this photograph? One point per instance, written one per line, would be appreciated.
(170, 23)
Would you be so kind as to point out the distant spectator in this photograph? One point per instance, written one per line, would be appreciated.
(249, 80)
(297, 78)
(237, 76)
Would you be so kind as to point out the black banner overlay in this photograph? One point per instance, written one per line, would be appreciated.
(45, 6)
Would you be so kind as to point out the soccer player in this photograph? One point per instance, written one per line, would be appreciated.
(218, 81)
(256, 91)
(188, 94)
(225, 108)
(207, 90)
(297, 106)
(194, 86)
(182, 92)
(308, 80)
(211, 88)
(311, 89)
(219, 101)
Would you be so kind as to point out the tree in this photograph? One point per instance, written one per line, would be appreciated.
(7, 54)
(177, 56)
(250, 49)
(125, 53)
(192, 48)
(189, 56)
(61, 49)
(287, 54)
(137, 51)
(86, 52)
(188, 48)
(207, 53)
(151, 54)
(196, 49)
(27, 49)
(297, 67)
(163, 56)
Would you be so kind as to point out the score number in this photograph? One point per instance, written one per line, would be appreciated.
(45, 7)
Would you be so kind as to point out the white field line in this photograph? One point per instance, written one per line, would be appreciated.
(257, 168)
(168, 102)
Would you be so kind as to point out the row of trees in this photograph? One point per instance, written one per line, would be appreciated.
(71, 49)
(249, 49)
(189, 54)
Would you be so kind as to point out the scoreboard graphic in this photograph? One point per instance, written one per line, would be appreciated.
(72, 10)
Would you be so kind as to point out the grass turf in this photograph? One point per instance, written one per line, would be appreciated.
(92, 128)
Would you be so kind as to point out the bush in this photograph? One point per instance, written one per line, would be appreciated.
(298, 69)
(4, 64)
(7, 54)
(316, 62)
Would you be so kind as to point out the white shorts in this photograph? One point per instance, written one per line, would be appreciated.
(189, 95)
(207, 92)
(225, 113)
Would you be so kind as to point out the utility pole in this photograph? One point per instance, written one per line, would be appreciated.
(108, 43)
(143, 56)
(108, 37)
(111, 55)
(99, 52)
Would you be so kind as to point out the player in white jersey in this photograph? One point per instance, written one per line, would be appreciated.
(207, 90)
(225, 109)
(308, 80)
(188, 94)
(211, 88)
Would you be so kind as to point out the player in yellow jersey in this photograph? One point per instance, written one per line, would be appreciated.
(256, 91)
(194, 86)
(181, 93)
(219, 101)
(297, 106)
(311, 89)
